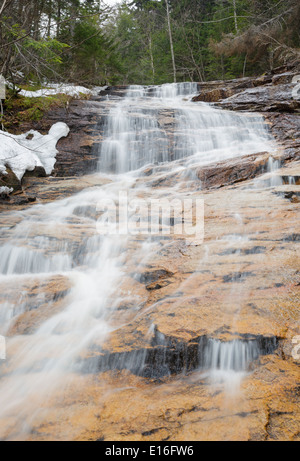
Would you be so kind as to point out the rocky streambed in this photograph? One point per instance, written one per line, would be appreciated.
(198, 341)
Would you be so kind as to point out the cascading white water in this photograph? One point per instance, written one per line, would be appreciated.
(227, 363)
(149, 125)
(232, 356)
(161, 125)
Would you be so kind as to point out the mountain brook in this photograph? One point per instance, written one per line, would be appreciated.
(155, 337)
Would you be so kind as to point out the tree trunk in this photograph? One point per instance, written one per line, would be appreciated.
(171, 40)
(58, 18)
(151, 57)
(235, 16)
(2, 8)
(49, 20)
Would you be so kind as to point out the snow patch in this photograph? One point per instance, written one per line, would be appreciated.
(68, 89)
(27, 151)
(5, 190)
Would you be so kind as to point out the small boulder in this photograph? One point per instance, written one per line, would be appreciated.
(38, 172)
(10, 180)
(283, 79)
(215, 95)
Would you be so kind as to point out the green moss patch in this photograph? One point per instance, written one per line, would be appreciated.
(19, 109)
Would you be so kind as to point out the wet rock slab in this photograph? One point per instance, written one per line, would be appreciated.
(184, 297)
(264, 99)
(122, 407)
(147, 381)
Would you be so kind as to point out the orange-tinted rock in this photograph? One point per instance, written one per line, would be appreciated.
(142, 382)
(214, 95)
(233, 171)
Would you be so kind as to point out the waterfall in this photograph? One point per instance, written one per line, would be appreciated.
(228, 363)
(58, 243)
(162, 125)
(232, 356)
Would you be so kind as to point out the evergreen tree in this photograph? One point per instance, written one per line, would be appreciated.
(146, 41)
